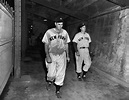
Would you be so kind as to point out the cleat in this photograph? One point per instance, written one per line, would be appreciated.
(48, 86)
(58, 94)
(79, 78)
(84, 76)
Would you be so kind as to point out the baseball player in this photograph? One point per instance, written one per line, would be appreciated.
(81, 44)
(56, 47)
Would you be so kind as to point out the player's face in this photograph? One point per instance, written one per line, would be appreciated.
(59, 25)
(83, 28)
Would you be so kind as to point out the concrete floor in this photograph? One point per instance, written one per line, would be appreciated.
(32, 84)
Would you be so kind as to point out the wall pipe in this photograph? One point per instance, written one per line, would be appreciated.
(108, 12)
(116, 3)
(102, 14)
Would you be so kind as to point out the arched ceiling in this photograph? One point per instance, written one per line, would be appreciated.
(71, 9)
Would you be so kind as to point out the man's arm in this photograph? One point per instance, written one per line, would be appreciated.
(76, 49)
(48, 58)
(67, 52)
(46, 49)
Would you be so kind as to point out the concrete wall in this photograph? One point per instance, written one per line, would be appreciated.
(38, 29)
(110, 43)
(72, 30)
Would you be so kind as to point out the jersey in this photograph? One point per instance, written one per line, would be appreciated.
(56, 41)
(82, 40)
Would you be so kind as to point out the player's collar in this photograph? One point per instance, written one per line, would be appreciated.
(83, 33)
(57, 31)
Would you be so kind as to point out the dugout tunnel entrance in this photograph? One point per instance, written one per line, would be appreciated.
(107, 23)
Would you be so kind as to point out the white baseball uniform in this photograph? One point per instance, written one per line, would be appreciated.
(57, 47)
(82, 41)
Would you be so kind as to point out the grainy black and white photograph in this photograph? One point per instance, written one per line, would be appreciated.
(64, 49)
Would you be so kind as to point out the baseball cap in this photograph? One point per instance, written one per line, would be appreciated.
(81, 25)
(58, 20)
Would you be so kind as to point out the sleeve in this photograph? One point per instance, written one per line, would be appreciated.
(89, 38)
(68, 39)
(75, 39)
(45, 38)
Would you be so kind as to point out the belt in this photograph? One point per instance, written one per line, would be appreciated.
(83, 47)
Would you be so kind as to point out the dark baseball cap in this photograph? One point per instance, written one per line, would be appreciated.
(58, 20)
(82, 24)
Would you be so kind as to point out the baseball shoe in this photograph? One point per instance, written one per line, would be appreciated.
(84, 74)
(84, 77)
(48, 87)
(79, 78)
(58, 94)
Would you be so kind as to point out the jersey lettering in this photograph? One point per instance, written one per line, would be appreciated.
(59, 37)
(87, 38)
(80, 39)
(52, 38)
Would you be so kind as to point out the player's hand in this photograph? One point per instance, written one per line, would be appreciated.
(48, 59)
(77, 53)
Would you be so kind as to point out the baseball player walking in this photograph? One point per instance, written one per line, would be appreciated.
(81, 44)
(56, 47)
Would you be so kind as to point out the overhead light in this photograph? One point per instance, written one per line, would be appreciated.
(45, 20)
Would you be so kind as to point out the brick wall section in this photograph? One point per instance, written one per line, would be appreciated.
(110, 43)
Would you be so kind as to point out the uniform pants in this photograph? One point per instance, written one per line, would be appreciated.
(84, 56)
(56, 69)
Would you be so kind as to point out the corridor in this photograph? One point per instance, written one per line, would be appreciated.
(32, 84)
(24, 22)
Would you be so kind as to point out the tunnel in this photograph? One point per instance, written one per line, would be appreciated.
(107, 22)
